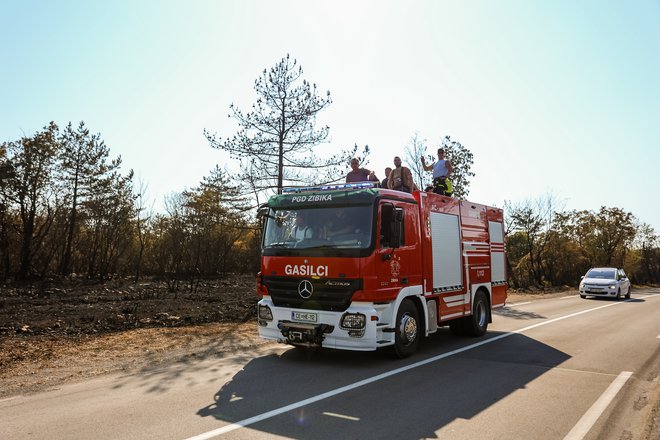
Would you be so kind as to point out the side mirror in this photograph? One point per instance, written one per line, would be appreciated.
(582, 277)
(262, 211)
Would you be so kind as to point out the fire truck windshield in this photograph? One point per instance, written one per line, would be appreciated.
(341, 227)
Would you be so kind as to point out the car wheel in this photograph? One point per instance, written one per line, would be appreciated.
(618, 295)
(628, 292)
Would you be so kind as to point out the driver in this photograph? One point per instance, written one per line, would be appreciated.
(301, 230)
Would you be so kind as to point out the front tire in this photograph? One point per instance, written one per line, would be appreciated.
(628, 292)
(407, 331)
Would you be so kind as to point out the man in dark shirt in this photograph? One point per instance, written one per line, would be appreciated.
(383, 183)
(358, 174)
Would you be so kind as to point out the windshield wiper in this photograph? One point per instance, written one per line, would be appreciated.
(281, 244)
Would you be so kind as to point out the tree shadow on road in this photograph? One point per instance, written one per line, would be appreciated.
(511, 312)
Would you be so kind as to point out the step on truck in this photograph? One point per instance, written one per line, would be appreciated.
(356, 267)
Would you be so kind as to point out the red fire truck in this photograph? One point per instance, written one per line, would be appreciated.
(377, 268)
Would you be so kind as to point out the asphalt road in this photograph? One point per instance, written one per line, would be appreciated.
(548, 369)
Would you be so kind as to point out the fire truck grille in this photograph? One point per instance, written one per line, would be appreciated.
(332, 294)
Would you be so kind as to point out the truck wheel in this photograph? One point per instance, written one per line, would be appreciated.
(477, 324)
(407, 331)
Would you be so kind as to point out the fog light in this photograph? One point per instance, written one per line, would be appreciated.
(265, 313)
(353, 321)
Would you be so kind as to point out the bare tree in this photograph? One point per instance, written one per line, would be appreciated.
(276, 139)
(415, 149)
(142, 221)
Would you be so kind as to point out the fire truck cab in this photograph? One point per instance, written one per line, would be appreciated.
(376, 267)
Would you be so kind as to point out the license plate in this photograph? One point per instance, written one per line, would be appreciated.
(303, 316)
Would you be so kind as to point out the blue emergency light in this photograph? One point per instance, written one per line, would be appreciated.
(356, 185)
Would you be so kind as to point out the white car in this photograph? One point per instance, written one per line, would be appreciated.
(609, 282)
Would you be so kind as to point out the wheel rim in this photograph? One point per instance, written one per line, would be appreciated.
(408, 329)
(481, 314)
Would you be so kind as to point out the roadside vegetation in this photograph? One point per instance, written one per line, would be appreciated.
(68, 210)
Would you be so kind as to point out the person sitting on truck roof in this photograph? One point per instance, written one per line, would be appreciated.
(358, 174)
(400, 178)
(441, 171)
(301, 230)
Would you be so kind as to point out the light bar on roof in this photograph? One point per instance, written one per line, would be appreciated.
(356, 185)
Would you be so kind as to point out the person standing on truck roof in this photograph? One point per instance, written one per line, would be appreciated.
(358, 174)
(441, 171)
(400, 178)
(383, 183)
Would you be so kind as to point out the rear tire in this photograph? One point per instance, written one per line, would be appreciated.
(407, 330)
(477, 323)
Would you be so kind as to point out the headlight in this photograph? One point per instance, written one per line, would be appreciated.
(612, 286)
(353, 321)
(265, 313)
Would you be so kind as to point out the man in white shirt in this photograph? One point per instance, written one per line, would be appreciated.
(301, 230)
(441, 171)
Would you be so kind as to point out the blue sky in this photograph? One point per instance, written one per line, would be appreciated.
(551, 97)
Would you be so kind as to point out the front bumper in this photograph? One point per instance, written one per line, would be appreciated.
(603, 291)
(325, 331)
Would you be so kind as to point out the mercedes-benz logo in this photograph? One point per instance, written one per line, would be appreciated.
(305, 289)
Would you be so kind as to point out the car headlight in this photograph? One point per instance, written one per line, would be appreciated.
(612, 286)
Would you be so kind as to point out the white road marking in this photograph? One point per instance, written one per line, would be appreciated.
(342, 416)
(275, 412)
(519, 304)
(591, 416)
(657, 337)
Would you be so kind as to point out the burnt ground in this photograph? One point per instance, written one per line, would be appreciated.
(69, 308)
(60, 330)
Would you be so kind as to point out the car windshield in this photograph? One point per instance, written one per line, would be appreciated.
(333, 227)
(606, 274)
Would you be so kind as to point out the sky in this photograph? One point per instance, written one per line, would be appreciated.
(556, 98)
